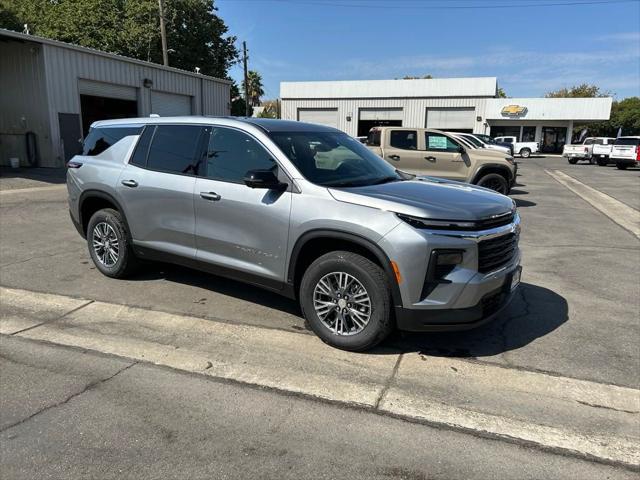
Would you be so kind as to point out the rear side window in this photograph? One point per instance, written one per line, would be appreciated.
(232, 153)
(174, 149)
(435, 141)
(404, 139)
(628, 141)
(101, 138)
(139, 156)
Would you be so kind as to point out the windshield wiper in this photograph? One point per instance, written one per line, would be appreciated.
(385, 180)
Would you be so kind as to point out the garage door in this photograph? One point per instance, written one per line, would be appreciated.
(327, 117)
(108, 90)
(170, 104)
(369, 118)
(451, 118)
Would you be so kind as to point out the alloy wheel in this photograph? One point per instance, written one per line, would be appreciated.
(105, 244)
(342, 303)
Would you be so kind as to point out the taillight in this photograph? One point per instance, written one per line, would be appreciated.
(72, 164)
(638, 154)
(586, 150)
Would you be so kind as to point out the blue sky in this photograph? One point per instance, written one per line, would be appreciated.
(530, 49)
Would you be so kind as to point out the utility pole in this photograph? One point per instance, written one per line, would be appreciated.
(246, 80)
(163, 35)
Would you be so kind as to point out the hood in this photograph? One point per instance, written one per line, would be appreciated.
(428, 197)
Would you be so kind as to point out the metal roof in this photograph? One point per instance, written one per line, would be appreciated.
(70, 46)
(415, 88)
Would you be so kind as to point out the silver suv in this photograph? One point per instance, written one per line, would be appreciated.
(304, 210)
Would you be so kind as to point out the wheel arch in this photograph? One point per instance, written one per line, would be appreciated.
(314, 243)
(492, 168)
(93, 200)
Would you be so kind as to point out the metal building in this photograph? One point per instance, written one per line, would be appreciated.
(50, 92)
(455, 104)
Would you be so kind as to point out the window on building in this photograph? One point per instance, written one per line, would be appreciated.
(505, 131)
(528, 134)
(404, 139)
(101, 138)
(232, 153)
(174, 148)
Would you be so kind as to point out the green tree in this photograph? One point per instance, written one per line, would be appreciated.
(237, 102)
(501, 93)
(271, 109)
(583, 90)
(410, 77)
(196, 36)
(625, 114)
(254, 81)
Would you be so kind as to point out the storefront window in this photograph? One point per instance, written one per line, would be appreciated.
(505, 131)
(528, 134)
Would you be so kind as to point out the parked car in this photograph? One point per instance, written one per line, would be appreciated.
(304, 210)
(626, 152)
(478, 143)
(602, 151)
(524, 149)
(584, 151)
(492, 141)
(423, 151)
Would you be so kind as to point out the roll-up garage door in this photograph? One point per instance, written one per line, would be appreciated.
(170, 104)
(381, 114)
(451, 118)
(327, 116)
(108, 90)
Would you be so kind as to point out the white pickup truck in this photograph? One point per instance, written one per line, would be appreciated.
(587, 150)
(524, 149)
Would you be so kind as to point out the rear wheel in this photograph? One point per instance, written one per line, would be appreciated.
(109, 245)
(621, 166)
(346, 300)
(573, 161)
(525, 152)
(602, 162)
(494, 181)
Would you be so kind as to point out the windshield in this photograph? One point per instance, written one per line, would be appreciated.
(627, 141)
(472, 140)
(485, 138)
(334, 159)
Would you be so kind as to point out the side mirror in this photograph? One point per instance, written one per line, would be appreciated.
(263, 179)
(461, 149)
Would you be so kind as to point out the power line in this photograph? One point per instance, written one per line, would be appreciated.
(363, 4)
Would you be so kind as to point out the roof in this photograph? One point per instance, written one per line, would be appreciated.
(414, 88)
(266, 124)
(70, 46)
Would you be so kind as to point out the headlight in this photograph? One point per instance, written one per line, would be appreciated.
(435, 224)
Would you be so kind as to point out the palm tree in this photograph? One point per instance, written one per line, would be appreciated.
(254, 87)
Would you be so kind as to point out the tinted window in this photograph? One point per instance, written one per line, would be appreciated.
(404, 139)
(174, 148)
(528, 134)
(470, 139)
(232, 153)
(435, 141)
(627, 141)
(139, 156)
(101, 138)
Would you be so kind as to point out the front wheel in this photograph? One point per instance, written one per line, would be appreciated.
(525, 152)
(345, 298)
(602, 162)
(573, 161)
(494, 181)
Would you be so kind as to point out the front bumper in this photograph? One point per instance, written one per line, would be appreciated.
(457, 319)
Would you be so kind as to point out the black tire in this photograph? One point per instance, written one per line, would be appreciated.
(573, 161)
(525, 152)
(602, 162)
(126, 262)
(621, 166)
(371, 277)
(591, 161)
(494, 181)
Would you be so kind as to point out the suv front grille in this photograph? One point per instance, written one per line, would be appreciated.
(496, 252)
(497, 221)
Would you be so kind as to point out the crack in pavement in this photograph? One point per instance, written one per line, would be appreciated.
(595, 405)
(18, 262)
(387, 384)
(73, 310)
(87, 388)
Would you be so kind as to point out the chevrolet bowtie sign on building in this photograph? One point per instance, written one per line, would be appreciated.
(513, 111)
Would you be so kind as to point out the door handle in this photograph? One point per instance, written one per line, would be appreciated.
(394, 157)
(130, 183)
(212, 196)
(431, 158)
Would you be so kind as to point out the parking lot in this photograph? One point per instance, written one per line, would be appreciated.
(575, 318)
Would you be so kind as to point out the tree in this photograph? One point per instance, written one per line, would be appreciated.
(578, 91)
(254, 80)
(625, 114)
(410, 77)
(237, 102)
(196, 36)
(501, 93)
